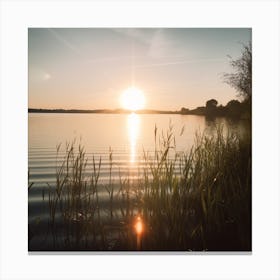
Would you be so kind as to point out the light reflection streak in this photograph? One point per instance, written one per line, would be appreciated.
(133, 125)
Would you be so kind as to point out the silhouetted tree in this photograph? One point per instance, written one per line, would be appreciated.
(184, 110)
(211, 107)
(241, 78)
(211, 103)
(234, 108)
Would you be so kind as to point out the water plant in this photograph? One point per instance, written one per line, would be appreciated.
(195, 200)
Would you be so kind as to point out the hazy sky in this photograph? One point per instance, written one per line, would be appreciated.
(90, 68)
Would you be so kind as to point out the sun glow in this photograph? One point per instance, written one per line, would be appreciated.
(133, 99)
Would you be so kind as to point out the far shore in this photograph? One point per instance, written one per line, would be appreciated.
(227, 111)
(101, 111)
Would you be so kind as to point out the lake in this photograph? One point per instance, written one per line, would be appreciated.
(125, 136)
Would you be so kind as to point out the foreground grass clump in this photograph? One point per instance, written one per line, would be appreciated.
(206, 207)
(195, 200)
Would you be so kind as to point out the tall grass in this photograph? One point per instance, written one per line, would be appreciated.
(194, 200)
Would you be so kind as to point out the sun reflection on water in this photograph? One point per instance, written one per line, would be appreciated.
(133, 125)
(139, 226)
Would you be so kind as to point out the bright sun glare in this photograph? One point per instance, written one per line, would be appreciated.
(132, 99)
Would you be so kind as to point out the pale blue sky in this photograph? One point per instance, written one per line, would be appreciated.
(90, 68)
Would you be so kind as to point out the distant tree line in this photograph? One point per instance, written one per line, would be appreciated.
(233, 109)
(241, 80)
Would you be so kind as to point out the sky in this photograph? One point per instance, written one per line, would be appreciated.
(90, 68)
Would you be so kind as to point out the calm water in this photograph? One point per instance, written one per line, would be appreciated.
(126, 135)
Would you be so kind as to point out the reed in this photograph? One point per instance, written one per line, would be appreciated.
(195, 200)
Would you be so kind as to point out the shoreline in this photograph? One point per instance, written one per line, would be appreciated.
(100, 111)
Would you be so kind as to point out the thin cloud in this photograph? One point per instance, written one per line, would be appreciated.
(64, 41)
(159, 45)
(136, 33)
(107, 59)
(179, 62)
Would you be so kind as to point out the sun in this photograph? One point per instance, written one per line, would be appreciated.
(132, 99)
